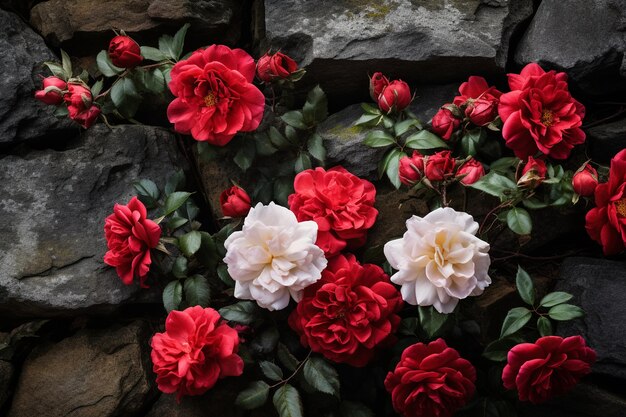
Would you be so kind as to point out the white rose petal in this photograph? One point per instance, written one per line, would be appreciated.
(274, 257)
(439, 260)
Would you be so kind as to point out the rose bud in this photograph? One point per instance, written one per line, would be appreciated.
(470, 172)
(585, 180)
(275, 66)
(444, 123)
(124, 52)
(533, 174)
(378, 82)
(88, 117)
(52, 92)
(235, 202)
(396, 96)
(411, 168)
(439, 166)
(481, 112)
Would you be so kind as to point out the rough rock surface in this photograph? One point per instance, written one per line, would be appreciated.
(52, 210)
(584, 37)
(93, 373)
(420, 41)
(218, 401)
(21, 116)
(6, 375)
(606, 140)
(599, 287)
(85, 25)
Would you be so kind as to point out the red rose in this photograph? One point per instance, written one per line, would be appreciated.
(551, 366)
(533, 174)
(606, 223)
(130, 235)
(430, 380)
(439, 166)
(396, 96)
(411, 168)
(378, 82)
(124, 52)
(78, 99)
(471, 171)
(275, 66)
(235, 202)
(444, 123)
(52, 92)
(194, 352)
(340, 203)
(88, 117)
(214, 95)
(480, 99)
(540, 114)
(349, 312)
(585, 180)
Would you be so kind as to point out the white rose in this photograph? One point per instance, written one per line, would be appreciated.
(439, 260)
(274, 257)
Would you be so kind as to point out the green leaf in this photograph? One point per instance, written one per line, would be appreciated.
(525, 286)
(175, 222)
(295, 119)
(254, 396)
(147, 192)
(197, 291)
(425, 140)
(179, 41)
(152, 81)
(303, 162)
(404, 126)
(498, 349)
(393, 164)
(175, 182)
(265, 343)
(172, 295)
(66, 62)
(515, 320)
(179, 269)
(97, 88)
(222, 274)
(471, 141)
(271, 371)
(207, 254)
(544, 326)
(174, 201)
(125, 97)
(519, 221)
(316, 148)
(245, 156)
(166, 45)
(368, 108)
(286, 358)
(189, 243)
(494, 184)
(278, 140)
(564, 312)
(315, 108)
(378, 139)
(555, 298)
(105, 65)
(264, 145)
(57, 70)
(243, 312)
(287, 401)
(321, 376)
(354, 409)
(152, 54)
(504, 165)
(282, 189)
(367, 119)
(432, 321)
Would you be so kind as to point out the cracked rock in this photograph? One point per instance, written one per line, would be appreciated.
(52, 210)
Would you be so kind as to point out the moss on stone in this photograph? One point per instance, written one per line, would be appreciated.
(345, 133)
(374, 9)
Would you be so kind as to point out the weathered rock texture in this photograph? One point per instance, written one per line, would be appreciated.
(93, 373)
(52, 210)
(218, 401)
(599, 287)
(341, 41)
(586, 38)
(606, 140)
(22, 51)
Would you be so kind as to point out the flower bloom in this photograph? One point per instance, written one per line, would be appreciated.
(411, 168)
(551, 366)
(439, 260)
(439, 166)
(480, 99)
(533, 174)
(275, 67)
(585, 180)
(235, 202)
(274, 257)
(194, 352)
(395, 96)
(80, 105)
(540, 114)
(215, 97)
(130, 235)
(52, 92)
(378, 82)
(124, 52)
(606, 223)
(470, 172)
(348, 313)
(341, 204)
(444, 123)
(431, 380)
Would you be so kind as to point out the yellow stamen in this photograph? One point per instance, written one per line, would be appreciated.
(210, 100)
(547, 118)
(620, 206)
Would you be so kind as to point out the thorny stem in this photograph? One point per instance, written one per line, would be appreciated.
(491, 213)
(284, 381)
(534, 258)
